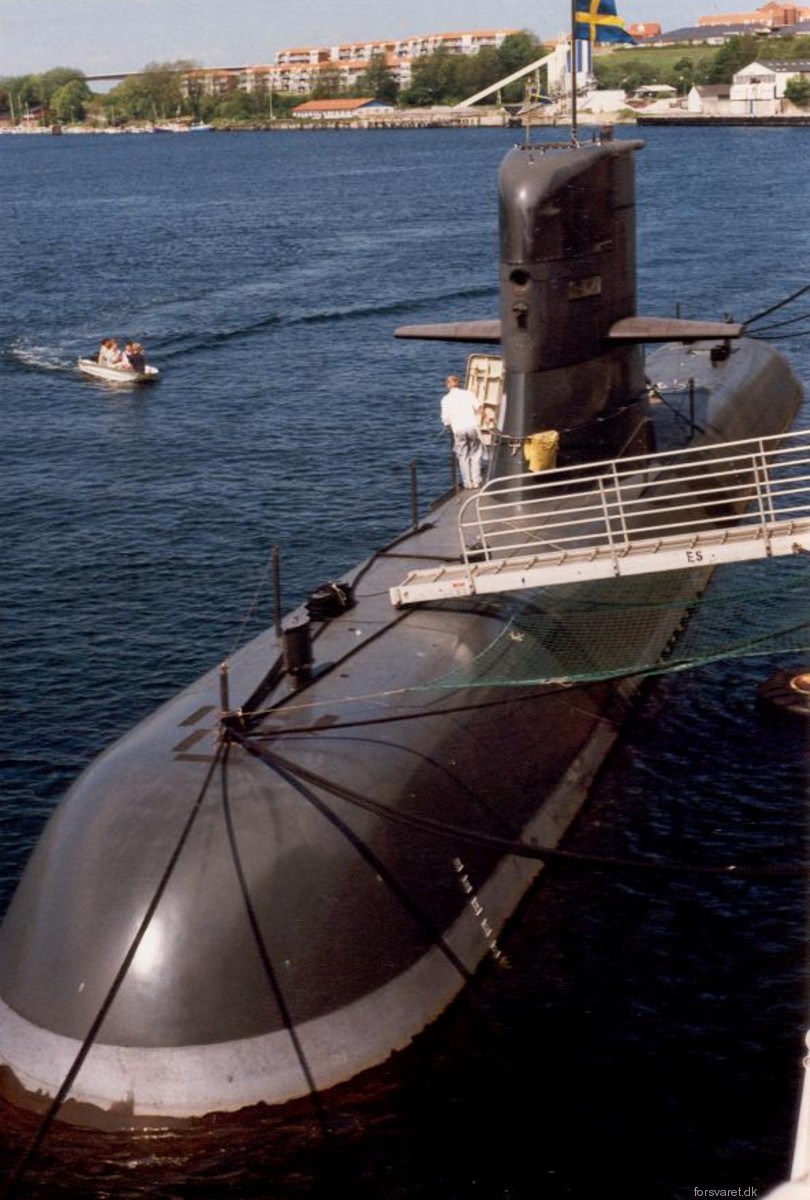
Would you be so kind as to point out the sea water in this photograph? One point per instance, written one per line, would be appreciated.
(647, 1036)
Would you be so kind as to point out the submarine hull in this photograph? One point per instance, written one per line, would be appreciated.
(366, 925)
(315, 920)
(292, 868)
(361, 970)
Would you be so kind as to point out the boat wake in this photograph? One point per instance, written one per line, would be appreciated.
(180, 341)
(41, 358)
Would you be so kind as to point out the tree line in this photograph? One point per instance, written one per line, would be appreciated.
(166, 91)
(700, 65)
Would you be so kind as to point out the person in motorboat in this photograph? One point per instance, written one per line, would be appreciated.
(114, 367)
(109, 355)
(134, 358)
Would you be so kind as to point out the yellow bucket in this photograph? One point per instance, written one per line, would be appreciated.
(540, 450)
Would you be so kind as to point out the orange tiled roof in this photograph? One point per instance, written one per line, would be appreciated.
(454, 33)
(787, 12)
(415, 37)
(368, 42)
(334, 105)
(331, 64)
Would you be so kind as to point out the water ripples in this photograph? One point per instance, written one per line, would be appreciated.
(265, 275)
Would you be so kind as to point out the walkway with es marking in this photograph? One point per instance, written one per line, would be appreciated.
(708, 504)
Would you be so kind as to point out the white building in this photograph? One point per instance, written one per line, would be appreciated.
(709, 100)
(559, 68)
(341, 110)
(297, 69)
(757, 90)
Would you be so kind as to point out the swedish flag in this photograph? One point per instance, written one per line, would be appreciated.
(596, 21)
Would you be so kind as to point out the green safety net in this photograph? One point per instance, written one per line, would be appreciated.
(649, 624)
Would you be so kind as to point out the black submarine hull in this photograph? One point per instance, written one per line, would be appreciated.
(290, 870)
(363, 966)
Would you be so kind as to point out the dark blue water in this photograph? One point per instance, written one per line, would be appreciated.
(648, 1037)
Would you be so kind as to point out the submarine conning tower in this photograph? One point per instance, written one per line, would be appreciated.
(568, 273)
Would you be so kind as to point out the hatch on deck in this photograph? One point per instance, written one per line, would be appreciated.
(485, 380)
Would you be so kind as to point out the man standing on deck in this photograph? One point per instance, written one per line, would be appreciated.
(461, 411)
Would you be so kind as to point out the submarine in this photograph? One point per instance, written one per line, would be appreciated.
(291, 869)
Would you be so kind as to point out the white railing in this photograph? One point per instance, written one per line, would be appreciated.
(708, 504)
(615, 506)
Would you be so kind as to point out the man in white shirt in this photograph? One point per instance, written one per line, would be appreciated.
(461, 411)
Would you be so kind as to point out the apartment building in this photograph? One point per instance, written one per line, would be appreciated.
(296, 70)
(768, 16)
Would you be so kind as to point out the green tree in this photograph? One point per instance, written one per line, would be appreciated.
(24, 92)
(156, 93)
(105, 110)
(240, 106)
(284, 103)
(164, 84)
(786, 49)
(434, 80)
(129, 101)
(8, 95)
(797, 91)
(479, 71)
(378, 81)
(326, 84)
(266, 103)
(194, 90)
(613, 75)
(516, 51)
(733, 55)
(57, 78)
(680, 75)
(70, 101)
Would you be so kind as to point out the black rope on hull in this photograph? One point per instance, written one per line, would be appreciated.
(87, 1045)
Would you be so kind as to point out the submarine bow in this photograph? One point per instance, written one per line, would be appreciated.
(240, 907)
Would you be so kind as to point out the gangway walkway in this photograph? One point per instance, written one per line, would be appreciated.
(708, 504)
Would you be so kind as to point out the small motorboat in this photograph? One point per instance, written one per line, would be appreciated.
(112, 374)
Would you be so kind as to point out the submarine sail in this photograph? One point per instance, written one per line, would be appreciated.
(296, 865)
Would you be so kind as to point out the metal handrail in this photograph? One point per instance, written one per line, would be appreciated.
(612, 505)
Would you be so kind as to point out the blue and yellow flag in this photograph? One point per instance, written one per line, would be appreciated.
(596, 21)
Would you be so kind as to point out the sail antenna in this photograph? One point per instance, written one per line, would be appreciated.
(574, 135)
(527, 132)
(597, 22)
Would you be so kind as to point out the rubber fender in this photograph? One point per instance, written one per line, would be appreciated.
(787, 693)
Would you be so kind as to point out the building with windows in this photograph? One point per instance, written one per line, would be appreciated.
(757, 90)
(709, 99)
(298, 70)
(340, 110)
(767, 17)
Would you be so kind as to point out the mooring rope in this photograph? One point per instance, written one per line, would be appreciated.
(515, 846)
(766, 312)
(261, 946)
(296, 779)
(90, 1038)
